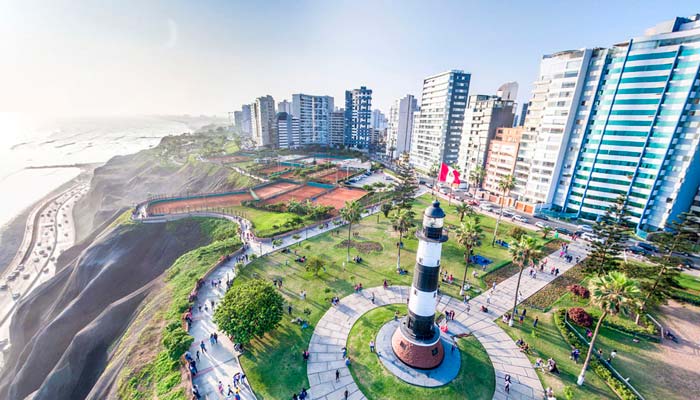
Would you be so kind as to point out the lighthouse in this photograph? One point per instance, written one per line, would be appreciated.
(417, 340)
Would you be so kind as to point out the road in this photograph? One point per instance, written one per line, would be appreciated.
(49, 232)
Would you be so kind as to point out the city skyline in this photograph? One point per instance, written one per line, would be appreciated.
(159, 58)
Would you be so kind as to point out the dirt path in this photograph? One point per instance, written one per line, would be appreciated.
(684, 321)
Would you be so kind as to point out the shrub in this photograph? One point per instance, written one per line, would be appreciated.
(176, 341)
(517, 232)
(580, 291)
(580, 317)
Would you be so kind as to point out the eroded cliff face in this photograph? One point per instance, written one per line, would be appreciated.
(127, 180)
(63, 333)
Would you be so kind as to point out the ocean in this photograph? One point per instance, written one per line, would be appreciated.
(38, 141)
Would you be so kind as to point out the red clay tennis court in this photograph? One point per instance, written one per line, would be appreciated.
(328, 176)
(337, 197)
(274, 188)
(273, 169)
(299, 194)
(198, 203)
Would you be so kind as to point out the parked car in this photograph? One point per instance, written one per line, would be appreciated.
(11, 277)
(507, 214)
(638, 250)
(520, 218)
(541, 225)
(591, 237)
(473, 203)
(4, 286)
(26, 275)
(541, 216)
(586, 228)
(444, 190)
(648, 247)
(564, 231)
(486, 207)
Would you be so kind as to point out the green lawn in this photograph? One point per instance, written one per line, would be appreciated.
(268, 223)
(547, 342)
(281, 350)
(687, 281)
(476, 379)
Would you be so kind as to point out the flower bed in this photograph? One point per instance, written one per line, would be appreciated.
(544, 299)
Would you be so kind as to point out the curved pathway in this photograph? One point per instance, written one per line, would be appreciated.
(331, 334)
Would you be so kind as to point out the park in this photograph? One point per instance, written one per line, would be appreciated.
(363, 252)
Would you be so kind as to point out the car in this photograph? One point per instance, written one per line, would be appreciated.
(541, 216)
(473, 203)
(4, 286)
(26, 275)
(507, 214)
(520, 218)
(563, 231)
(444, 190)
(11, 277)
(638, 250)
(541, 225)
(15, 296)
(648, 247)
(591, 237)
(486, 207)
(585, 228)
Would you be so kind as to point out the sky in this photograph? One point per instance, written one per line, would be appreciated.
(208, 57)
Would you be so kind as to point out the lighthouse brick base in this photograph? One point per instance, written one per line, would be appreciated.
(417, 355)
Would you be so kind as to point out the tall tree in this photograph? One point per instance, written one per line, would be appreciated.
(657, 279)
(523, 252)
(612, 231)
(434, 169)
(468, 235)
(315, 265)
(351, 213)
(463, 209)
(476, 176)
(505, 185)
(407, 183)
(386, 209)
(251, 310)
(613, 292)
(402, 221)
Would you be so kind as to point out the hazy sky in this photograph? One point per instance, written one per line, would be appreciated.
(84, 57)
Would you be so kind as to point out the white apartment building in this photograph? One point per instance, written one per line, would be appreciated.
(263, 116)
(438, 129)
(314, 115)
(400, 126)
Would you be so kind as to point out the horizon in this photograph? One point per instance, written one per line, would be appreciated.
(90, 59)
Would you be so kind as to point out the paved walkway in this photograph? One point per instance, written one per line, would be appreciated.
(331, 334)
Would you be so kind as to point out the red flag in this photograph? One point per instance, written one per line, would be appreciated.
(448, 174)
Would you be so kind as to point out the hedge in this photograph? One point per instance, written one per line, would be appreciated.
(599, 368)
(685, 297)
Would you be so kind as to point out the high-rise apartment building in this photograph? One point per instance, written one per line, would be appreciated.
(337, 136)
(400, 126)
(314, 115)
(501, 157)
(246, 119)
(438, 128)
(237, 120)
(287, 131)
(508, 91)
(358, 115)
(379, 121)
(550, 118)
(263, 111)
(523, 114)
(484, 114)
(636, 128)
(284, 106)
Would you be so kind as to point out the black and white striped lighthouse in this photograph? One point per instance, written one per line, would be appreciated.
(417, 341)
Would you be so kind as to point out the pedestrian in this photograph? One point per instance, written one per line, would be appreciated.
(197, 355)
(524, 312)
(289, 309)
(195, 392)
(203, 346)
(211, 339)
(372, 297)
(612, 356)
(236, 379)
(534, 323)
(216, 338)
(346, 394)
(488, 298)
(469, 307)
(521, 318)
(493, 287)
(229, 392)
(221, 388)
(371, 346)
(337, 375)
(345, 351)
(243, 382)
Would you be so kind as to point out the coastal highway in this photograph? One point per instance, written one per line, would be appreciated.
(49, 232)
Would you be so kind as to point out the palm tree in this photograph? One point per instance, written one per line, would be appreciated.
(612, 293)
(505, 185)
(351, 213)
(433, 172)
(463, 209)
(476, 176)
(546, 230)
(523, 252)
(468, 235)
(402, 220)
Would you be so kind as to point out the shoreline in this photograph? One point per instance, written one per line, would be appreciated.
(12, 232)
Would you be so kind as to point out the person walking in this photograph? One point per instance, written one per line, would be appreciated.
(534, 323)
(203, 346)
(337, 375)
(371, 346)
(488, 298)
